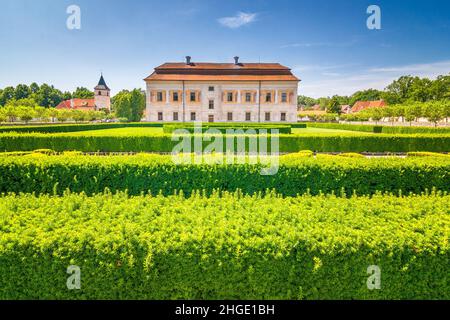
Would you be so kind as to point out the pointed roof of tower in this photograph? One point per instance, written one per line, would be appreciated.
(101, 84)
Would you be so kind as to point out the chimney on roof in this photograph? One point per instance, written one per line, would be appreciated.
(236, 60)
(188, 60)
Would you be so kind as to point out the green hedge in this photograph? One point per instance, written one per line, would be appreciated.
(287, 143)
(342, 126)
(297, 174)
(55, 128)
(224, 247)
(284, 129)
(381, 129)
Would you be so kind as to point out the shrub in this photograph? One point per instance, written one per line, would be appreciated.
(296, 174)
(224, 127)
(426, 154)
(55, 128)
(351, 155)
(381, 129)
(227, 246)
(44, 151)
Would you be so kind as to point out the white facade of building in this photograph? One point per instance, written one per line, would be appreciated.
(221, 101)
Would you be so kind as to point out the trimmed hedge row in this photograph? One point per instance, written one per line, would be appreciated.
(287, 143)
(296, 174)
(227, 246)
(167, 128)
(55, 128)
(380, 129)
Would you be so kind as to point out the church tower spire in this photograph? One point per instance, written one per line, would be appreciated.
(102, 97)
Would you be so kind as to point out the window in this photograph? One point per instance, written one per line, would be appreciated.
(211, 104)
(175, 116)
(230, 96)
(211, 118)
(99, 93)
(160, 116)
(175, 96)
(268, 97)
(283, 116)
(230, 116)
(107, 93)
(283, 97)
(159, 96)
(211, 88)
(248, 116)
(248, 97)
(267, 116)
(192, 116)
(192, 96)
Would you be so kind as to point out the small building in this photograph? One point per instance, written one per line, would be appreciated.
(363, 105)
(221, 92)
(346, 109)
(101, 100)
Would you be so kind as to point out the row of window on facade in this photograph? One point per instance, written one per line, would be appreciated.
(228, 96)
(248, 116)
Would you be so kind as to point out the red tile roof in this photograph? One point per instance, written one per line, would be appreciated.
(202, 71)
(362, 105)
(77, 104)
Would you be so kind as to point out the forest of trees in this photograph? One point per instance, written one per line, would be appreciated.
(24, 103)
(406, 89)
(44, 95)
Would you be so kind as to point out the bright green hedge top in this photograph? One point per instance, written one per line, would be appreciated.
(297, 174)
(227, 246)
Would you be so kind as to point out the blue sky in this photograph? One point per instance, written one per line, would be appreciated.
(325, 42)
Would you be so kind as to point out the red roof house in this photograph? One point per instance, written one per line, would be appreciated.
(77, 104)
(363, 105)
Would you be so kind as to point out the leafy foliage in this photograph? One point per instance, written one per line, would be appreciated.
(297, 174)
(227, 246)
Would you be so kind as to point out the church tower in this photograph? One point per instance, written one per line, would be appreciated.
(102, 99)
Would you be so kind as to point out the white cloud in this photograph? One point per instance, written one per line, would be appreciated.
(239, 20)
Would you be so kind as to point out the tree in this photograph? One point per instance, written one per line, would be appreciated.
(10, 112)
(306, 101)
(21, 92)
(129, 105)
(365, 95)
(83, 93)
(434, 112)
(6, 95)
(63, 115)
(334, 106)
(399, 90)
(26, 113)
(3, 116)
(137, 105)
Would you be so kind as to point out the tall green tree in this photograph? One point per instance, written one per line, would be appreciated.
(83, 93)
(334, 106)
(129, 104)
